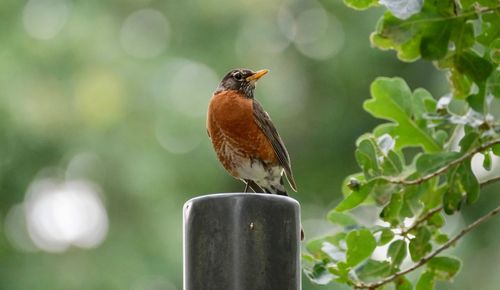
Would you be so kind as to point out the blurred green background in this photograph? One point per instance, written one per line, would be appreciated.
(102, 128)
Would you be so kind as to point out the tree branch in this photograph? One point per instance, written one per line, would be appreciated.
(431, 212)
(445, 168)
(374, 285)
(422, 219)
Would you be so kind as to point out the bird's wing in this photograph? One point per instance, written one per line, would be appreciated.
(264, 122)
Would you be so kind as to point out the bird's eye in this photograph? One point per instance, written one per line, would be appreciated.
(238, 76)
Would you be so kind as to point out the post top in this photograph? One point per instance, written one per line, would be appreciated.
(243, 196)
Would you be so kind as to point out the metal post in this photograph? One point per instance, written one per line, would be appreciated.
(242, 241)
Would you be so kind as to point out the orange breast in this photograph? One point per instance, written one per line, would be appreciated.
(234, 133)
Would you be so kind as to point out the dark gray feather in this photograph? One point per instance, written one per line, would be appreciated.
(264, 122)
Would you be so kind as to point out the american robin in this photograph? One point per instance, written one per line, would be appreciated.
(244, 137)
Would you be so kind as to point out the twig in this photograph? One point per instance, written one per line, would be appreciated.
(374, 285)
(445, 168)
(425, 217)
(431, 212)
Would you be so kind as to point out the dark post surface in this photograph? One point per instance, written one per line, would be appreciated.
(242, 241)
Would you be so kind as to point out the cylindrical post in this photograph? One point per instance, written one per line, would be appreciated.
(242, 241)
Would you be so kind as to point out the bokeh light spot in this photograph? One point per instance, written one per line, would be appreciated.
(44, 19)
(319, 35)
(63, 214)
(185, 86)
(311, 25)
(286, 22)
(16, 231)
(99, 98)
(260, 36)
(145, 33)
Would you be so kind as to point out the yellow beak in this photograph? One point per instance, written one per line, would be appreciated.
(257, 75)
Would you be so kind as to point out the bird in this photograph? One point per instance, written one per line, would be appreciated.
(244, 137)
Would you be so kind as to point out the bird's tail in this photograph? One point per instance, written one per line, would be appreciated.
(278, 189)
(267, 188)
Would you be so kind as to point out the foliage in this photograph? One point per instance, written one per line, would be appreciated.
(417, 166)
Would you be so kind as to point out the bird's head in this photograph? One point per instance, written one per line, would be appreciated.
(242, 80)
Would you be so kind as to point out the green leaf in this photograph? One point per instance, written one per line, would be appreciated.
(393, 164)
(420, 245)
(444, 267)
(422, 102)
(469, 141)
(411, 200)
(453, 198)
(426, 281)
(319, 274)
(390, 213)
(476, 100)
(341, 270)
(433, 197)
(429, 163)
(436, 220)
(483, 3)
(397, 252)
(414, 193)
(373, 269)
(441, 137)
(314, 247)
(410, 50)
(469, 181)
(356, 197)
(487, 160)
(342, 219)
(336, 239)
(360, 4)
(434, 44)
(496, 149)
(462, 34)
(383, 43)
(366, 156)
(386, 235)
(382, 191)
(391, 33)
(461, 85)
(441, 238)
(360, 245)
(392, 100)
(321, 248)
(402, 283)
(475, 67)
(490, 31)
(495, 51)
(493, 84)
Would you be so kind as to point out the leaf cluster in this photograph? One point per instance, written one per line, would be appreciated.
(416, 167)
